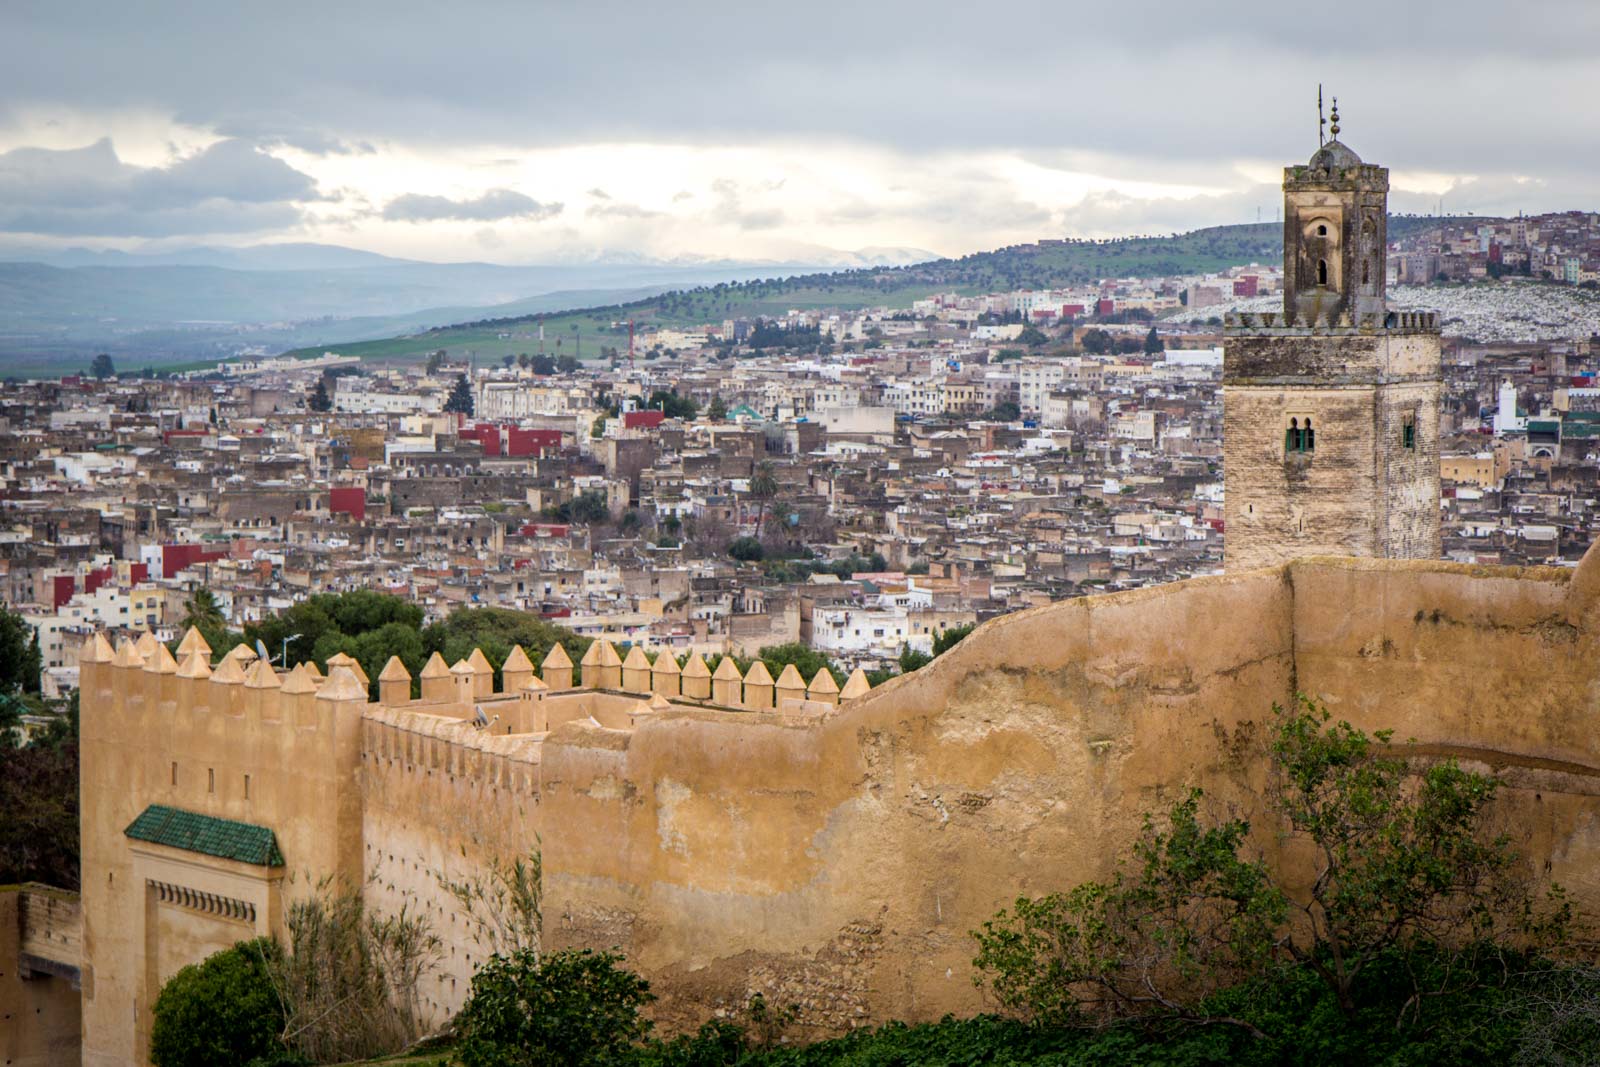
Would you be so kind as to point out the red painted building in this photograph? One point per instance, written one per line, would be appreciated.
(348, 500)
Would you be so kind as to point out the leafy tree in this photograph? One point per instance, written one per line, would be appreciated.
(435, 361)
(590, 506)
(496, 630)
(1096, 342)
(568, 364)
(1032, 336)
(1399, 860)
(945, 640)
(202, 612)
(523, 361)
(807, 660)
(21, 660)
(224, 1009)
(1155, 939)
(746, 550)
(1407, 886)
(39, 796)
(911, 659)
(543, 365)
(320, 400)
(673, 405)
(1152, 343)
(102, 367)
(509, 361)
(460, 400)
(567, 1009)
(717, 410)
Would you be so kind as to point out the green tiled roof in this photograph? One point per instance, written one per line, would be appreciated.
(207, 835)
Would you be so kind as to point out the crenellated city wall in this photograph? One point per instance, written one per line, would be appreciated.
(830, 848)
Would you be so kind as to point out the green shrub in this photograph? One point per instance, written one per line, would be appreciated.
(221, 1010)
(569, 1009)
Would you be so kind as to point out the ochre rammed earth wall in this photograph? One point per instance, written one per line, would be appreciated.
(840, 864)
(833, 857)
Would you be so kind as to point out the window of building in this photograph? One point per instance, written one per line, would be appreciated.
(174, 773)
(1322, 230)
(247, 787)
(211, 779)
(1300, 436)
(1322, 272)
(1408, 435)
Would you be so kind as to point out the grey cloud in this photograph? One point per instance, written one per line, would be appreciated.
(599, 194)
(615, 210)
(492, 206)
(1476, 86)
(229, 187)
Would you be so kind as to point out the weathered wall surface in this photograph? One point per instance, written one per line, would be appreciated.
(837, 858)
(838, 863)
(441, 801)
(39, 1015)
(1362, 491)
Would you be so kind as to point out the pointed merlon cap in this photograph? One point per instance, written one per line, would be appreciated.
(660, 703)
(517, 661)
(856, 685)
(146, 645)
(462, 669)
(535, 685)
(162, 662)
(241, 654)
(192, 641)
(342, 684)
(637, 660)
(608, 655)
(127, 656)
(666, 663)
(758, 674)
(394, 671)
(313, 671)
(196, 664)
(262, 676)
(591, 655)
(728, 671)
(790, 678)
(342, 659)
(96, 649)
(299, 681)
(823, 683)
(558, 659)
(479, 662)
(228, 672)
(436, 667)
(696, 667)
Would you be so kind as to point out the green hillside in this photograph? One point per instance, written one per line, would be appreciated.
(1052, 265)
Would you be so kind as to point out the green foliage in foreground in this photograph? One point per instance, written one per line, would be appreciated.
(568, 1009)
(221, 1010)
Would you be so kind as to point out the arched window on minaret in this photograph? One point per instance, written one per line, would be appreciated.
(1291, 436)
(1308, 437)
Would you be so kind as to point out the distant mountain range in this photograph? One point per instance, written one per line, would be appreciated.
(58, 307)
(205, 303)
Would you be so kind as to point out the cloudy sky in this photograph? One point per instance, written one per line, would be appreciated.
(537, 132)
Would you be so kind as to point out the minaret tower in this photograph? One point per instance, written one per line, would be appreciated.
(1331, 407)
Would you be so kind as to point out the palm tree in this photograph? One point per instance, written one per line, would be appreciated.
(763, 488)
(203, 612)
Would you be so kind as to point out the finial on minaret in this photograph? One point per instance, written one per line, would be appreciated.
(1322, 122)
(1334, 127)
